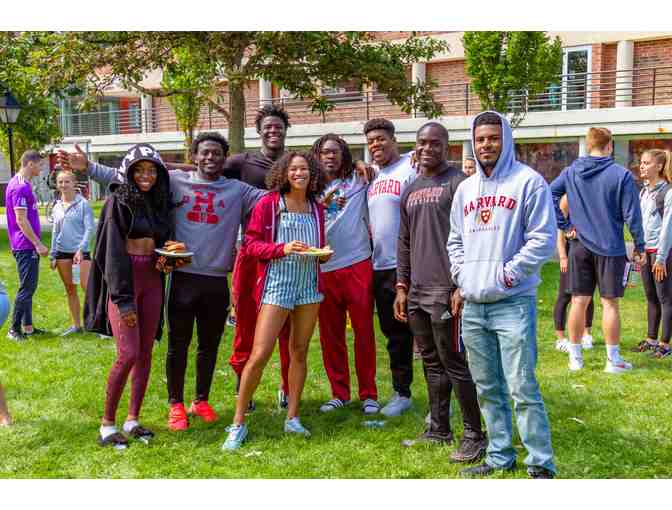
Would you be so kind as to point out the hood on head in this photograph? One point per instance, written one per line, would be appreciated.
(589, 166)
(139, 152)
(507, 156)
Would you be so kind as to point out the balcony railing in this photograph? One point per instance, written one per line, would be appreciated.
(580, 91)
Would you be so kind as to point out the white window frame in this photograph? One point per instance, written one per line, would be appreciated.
(565, 72)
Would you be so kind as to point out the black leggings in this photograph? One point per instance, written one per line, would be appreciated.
(204, 299)
(398, 334)
(562, 302)
(658, 298)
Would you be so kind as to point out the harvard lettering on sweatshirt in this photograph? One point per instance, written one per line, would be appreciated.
(502, 228)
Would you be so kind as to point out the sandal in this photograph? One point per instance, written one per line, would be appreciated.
(117, 440)
(333, 404)
(141, 434)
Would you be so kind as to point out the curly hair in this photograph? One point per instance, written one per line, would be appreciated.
(380, 123)
(271, 110)
(346, 156)
(210, 136)
(156, 202)
(276, 179)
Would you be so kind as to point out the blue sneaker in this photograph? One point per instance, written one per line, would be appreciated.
(294, 426)
(236, 437)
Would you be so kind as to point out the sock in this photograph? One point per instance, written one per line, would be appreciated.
(587, 338)
(575, 351)
(652, 342)
(561, 341)
(107, 430)
(613, 353)
(130, 425)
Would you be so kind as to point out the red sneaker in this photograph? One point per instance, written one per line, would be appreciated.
(177, 418)
(203, 410)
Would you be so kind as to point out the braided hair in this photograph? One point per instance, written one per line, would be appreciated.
(345, 172)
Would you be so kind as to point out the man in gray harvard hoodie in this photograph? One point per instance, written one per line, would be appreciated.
(502, 230)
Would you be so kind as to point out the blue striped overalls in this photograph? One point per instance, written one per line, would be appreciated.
(292, 280)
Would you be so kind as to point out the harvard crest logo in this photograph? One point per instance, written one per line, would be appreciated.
(486, 214)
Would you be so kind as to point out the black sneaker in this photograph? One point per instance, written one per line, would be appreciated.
(116, 440)
(16, 336)
(539, 473)
(485, 470)
(283, 403)
(644, 346)
(37, 332)
(251, 407)
(470, 450)
(662, 352)
(141, 434)
(428, 439)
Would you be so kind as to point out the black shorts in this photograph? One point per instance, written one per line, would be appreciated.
(586, 270)
(62, 255)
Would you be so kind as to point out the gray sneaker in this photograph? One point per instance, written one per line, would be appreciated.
(396, 406)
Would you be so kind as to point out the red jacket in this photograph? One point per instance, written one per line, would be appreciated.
(260, 237)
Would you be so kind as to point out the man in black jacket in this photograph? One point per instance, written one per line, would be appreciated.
(426, 296)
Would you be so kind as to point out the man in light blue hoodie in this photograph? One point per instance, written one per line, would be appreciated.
(502, 230)
(602, 197)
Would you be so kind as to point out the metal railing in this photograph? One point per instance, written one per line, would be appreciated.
(579, 91)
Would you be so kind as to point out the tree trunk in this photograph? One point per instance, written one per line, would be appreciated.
(237, 120)
(188, 138)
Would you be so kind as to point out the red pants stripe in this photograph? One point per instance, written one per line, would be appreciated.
(349, 289)
(244, 278)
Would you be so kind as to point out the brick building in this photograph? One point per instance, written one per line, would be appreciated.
(619, 80)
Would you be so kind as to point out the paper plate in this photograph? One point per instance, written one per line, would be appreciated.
(315, 252)
(174, 255)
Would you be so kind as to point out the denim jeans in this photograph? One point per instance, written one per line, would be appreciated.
(28, 266)
(501, 343)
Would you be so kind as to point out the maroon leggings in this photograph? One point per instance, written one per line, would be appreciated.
(134, 345)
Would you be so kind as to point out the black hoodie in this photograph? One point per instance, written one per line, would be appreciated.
(112, 270)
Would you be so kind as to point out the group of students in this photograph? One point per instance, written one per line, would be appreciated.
(448, 260)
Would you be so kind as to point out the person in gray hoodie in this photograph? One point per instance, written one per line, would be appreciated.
(502, 230)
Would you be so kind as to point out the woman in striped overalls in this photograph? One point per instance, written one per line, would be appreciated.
(285, 223)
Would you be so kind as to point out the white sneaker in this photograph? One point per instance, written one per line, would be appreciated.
(617, 367)
(587, 342)
(562, 345)
(396, 406)
(575, 364)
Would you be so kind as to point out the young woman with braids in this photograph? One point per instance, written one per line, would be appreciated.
(656, 204)
(284, 224)
(125, 290)
(348, 279)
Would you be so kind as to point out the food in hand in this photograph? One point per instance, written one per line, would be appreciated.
(175, 246)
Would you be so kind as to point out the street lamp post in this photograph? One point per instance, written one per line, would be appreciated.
(9, 113)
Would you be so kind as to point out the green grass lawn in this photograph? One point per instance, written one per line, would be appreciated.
(603, 426)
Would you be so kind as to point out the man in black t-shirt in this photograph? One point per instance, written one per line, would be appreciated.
(252, 167)
(427, 297)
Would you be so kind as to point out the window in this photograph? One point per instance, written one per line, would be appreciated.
(547, 158)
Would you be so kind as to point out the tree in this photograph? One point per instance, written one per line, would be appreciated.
(37, 124)
(226, 61)
(185, 73)
(502, 64)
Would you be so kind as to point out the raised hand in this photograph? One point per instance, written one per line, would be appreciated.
(75, 161)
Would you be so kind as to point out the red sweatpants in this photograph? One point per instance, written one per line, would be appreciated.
(351, 289)
(244, 278)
